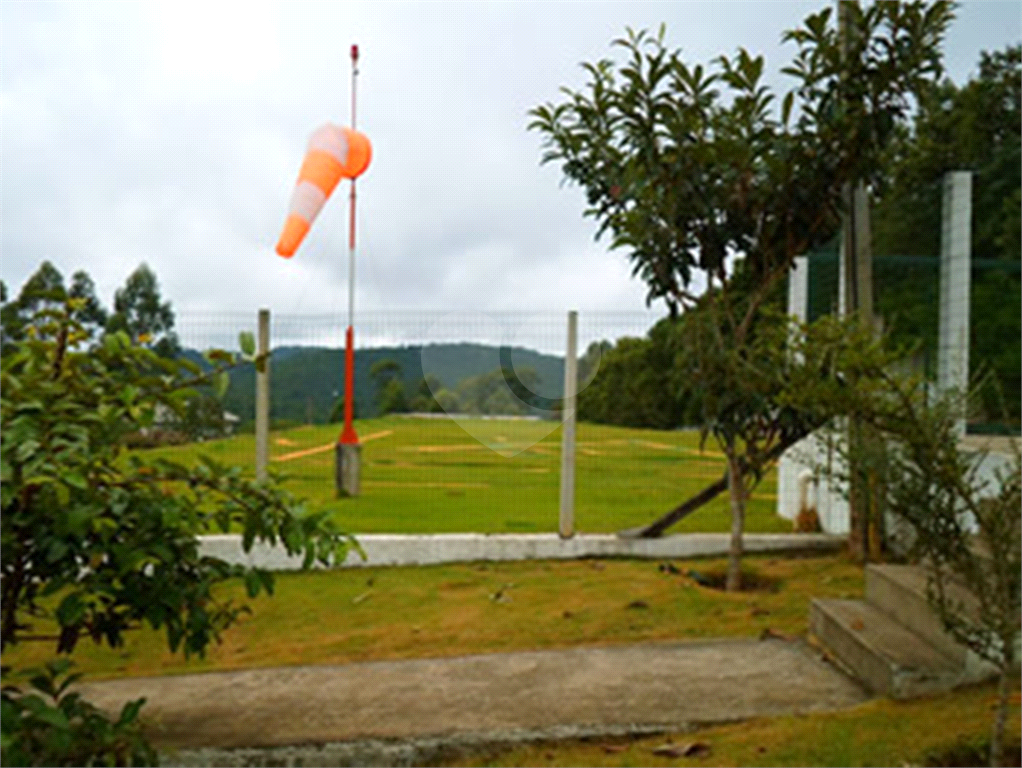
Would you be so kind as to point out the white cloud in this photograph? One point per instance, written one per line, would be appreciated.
(171, 132)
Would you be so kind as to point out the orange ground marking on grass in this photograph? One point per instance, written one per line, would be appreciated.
(376, 435)
(306, 452)
(284, 441)
(542, 450)
(327, 447)
(398, 484)
(442, 448)
(683, 449)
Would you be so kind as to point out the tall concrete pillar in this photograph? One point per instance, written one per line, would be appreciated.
(798, 289)
(566, 523)
(262, 414)
(955, 280)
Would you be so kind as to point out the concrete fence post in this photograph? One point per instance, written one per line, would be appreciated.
(566, 526)
(262, 415)
(798, 289)
(955, 281)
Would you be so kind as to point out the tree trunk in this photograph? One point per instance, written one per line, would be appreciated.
(736, 488)
(661, 524)
(708, 494)
(997, 734)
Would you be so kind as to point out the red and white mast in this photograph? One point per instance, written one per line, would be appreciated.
(348, 435)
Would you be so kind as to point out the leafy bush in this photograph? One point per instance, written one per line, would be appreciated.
(99, 541)
(49, 725)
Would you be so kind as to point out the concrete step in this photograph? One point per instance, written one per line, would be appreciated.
(888, 658)
(900, 592)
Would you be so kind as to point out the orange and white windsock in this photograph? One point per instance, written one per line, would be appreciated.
(334, 153)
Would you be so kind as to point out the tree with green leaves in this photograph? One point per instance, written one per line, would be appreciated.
(45, 289)
(695, 170)
(390, 389)
(90, 312)
(424, 400)
(631, 384)
(140, 311)
(506, 390)
(95, 541)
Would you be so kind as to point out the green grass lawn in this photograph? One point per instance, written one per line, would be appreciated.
(371, 614)
(431, 476)
(367, 614)
(949, 729)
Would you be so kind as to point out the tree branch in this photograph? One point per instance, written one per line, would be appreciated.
(709, 493)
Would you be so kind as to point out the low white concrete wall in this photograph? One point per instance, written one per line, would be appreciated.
(393, 549)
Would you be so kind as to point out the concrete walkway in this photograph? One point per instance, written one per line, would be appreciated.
(488, 698)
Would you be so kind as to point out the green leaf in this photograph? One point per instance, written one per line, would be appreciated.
(789, 98)
(26, 449)
(262, 362)
(252, 583)
(246, 341)
(129, 712)
(47, 714)
(266, 578)
(221, 381)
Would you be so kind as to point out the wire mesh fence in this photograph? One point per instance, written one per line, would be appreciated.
(448, 441)
(907, 299)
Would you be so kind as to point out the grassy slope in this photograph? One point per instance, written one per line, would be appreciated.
(432, 476)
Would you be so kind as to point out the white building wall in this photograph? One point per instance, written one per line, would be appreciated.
(811, 456)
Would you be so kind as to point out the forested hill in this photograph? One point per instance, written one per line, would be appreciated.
(305, 381)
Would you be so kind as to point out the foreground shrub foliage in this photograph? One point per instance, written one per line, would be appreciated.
(48, 725)
(97, 541)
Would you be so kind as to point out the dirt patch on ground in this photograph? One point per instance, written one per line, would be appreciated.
(752, 581)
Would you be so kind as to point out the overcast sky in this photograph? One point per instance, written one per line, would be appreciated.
(171, 132)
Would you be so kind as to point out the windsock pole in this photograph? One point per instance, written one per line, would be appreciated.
(348, 459)
(348, 436)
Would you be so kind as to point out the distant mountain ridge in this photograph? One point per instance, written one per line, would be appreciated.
(305, 381)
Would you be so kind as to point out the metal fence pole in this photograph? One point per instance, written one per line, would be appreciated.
(566, 526)
(262, 414)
